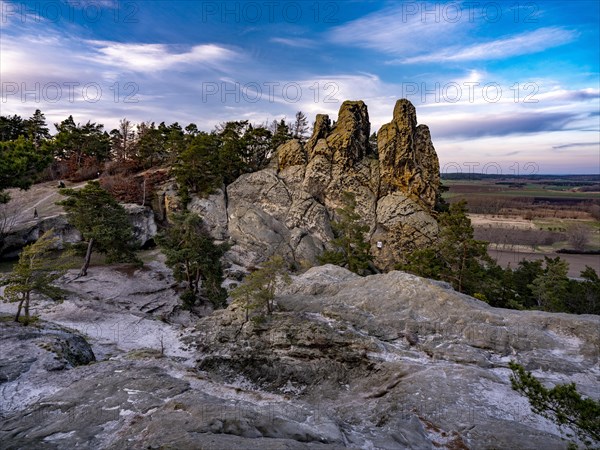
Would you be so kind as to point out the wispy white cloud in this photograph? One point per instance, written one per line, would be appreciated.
(522, 44)
(394, 32)
(156, 57)
(577, 144)
(414, 38)
(295, 42)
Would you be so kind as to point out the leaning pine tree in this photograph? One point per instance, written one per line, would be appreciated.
(37, 269)
(102, 222)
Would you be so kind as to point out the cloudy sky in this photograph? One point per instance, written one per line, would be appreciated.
(504, 86)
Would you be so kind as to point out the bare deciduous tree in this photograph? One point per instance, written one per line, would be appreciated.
(578, 236)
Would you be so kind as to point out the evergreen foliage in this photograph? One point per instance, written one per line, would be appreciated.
(300, 127)
(550, 287)
(258, 289)
(76, 142)
(102, 222)
(20, 162)
(351, 250)
(457, 258)
(195, 259)
(562, 404)
(37, 268)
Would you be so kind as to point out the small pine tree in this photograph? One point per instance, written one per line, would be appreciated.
(258, 289)
(194, 258)
(300, 127)
(457, 257)
(281, 134)
(35, 271)
(562, 404)
(351, 249)
(102, 221)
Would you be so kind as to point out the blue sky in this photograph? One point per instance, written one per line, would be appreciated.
(504, 86)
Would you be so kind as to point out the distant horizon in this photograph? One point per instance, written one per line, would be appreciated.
(497, 83)
(525, 175)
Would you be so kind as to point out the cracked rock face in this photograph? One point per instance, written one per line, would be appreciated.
(407, 158)
(288, 208)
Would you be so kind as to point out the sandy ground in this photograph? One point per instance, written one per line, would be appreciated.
(481, 220)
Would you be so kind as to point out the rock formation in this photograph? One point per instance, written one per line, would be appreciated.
(288, 207)
(407, 158)
(140, 217)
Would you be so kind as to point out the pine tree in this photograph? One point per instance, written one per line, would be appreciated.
(35, 271)
(11, 127)
(457, 257)
(258, 289)
(102, 221)
(150, 146)
(194, 258)
(562, 404)
(123, 141)
(197, 166)
(550, 288)
(300, 127)
(351, 249)
(37, 131)
(77, 142)
(20, 162)
(281, 134)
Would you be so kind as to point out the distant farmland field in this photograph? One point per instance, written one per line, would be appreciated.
(532, 217)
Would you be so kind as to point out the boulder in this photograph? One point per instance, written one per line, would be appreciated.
(140, 217)
(291, 154)
(15, 239)
(142, 221)
(213, 211)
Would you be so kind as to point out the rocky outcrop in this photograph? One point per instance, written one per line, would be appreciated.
(290, 154)
(213, 210)
(31, 355)
(142, 221)
(417, 357)
(288, 207)
(407, 158)
(23, 233)
(388, 361)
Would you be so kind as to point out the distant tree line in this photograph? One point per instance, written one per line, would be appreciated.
(463, 261)
(200, 160)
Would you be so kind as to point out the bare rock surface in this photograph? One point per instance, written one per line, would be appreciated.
(383, 362)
